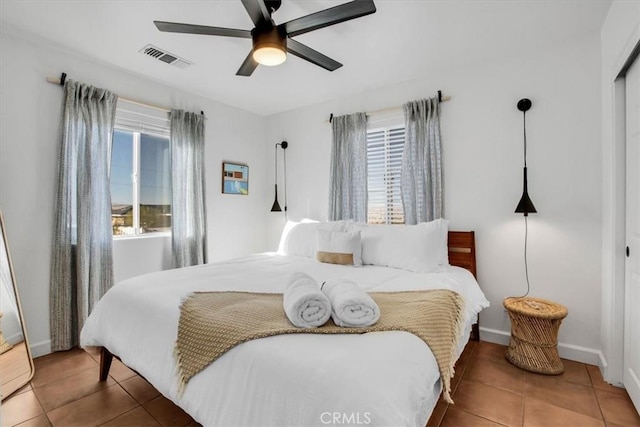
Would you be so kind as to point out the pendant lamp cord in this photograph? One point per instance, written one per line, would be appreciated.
(524, 127)
(526, 265)
(285, 182)
(276, 171)
(526, 223)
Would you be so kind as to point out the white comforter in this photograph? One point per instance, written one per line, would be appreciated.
(379, 379)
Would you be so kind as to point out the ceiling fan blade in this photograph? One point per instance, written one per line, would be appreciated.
(331, 16)
(248, 66)
(257, 10)
(175, 27)
(305, 52)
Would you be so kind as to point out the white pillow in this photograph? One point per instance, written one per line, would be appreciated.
(299, 238)
(342, 225)
(421, 248)
(339, 247)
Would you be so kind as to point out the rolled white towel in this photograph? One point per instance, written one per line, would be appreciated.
(305, 304)
(351, 306)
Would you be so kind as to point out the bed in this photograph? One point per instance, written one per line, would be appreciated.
(379, 378)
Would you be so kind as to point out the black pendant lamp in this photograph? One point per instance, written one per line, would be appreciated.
(525, 206)
(276, 206)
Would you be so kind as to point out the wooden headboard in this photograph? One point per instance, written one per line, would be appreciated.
(462, 250)
(462, 253)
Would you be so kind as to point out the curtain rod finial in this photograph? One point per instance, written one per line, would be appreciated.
(63, 78)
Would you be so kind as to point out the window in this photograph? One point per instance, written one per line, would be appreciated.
(140, 173)
(384, 160)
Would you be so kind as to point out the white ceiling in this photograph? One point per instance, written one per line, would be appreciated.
(401, 41)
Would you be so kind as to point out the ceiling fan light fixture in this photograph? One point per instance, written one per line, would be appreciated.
(269, 55)
(272, 42)
(269, 46)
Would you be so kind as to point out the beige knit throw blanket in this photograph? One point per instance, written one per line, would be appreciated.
(212, 323)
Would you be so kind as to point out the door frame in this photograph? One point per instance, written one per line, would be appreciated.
(633, 386)
(614, 232)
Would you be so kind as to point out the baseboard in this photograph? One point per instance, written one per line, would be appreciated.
(578, 353)
(15, 338)
(495, 336)
(590, 356)
(40, 348)
(603, 364)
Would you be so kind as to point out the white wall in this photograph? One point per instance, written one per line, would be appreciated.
(136, 256)
(482, 137)
(30, 110)
(620, 33)
(10, 325)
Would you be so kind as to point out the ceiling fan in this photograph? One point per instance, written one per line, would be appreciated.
(271, 41)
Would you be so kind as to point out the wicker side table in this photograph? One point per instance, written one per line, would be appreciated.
(534, 334)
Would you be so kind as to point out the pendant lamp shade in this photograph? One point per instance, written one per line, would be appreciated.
(525, 205)
(276, 206)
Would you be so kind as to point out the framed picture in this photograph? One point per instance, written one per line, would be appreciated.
(235, 178)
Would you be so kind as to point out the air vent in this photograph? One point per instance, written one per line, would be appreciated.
(164, 56)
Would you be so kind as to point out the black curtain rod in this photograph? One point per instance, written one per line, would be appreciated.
(63, 79)
(441, 98)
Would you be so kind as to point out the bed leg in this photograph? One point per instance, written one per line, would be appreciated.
(105, 363)
(475, 332)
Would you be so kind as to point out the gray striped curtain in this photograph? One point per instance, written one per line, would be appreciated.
(82, 258)
(422, 183)
(348, 179)
(188, 206)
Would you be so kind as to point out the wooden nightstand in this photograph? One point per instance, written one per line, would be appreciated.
(534, 334)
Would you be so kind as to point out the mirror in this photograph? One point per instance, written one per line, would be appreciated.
(16, 364)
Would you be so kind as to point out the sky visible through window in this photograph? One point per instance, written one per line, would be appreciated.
(154, 177)
(122, 168)
(155, 185)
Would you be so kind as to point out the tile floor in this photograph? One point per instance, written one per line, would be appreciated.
(488, 391)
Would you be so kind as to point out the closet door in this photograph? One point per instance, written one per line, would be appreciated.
(631, 375)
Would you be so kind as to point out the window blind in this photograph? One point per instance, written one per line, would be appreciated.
(138, 118)
(384, 160)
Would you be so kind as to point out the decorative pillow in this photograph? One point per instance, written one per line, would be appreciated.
(299, 238)
(421, 248)
(339, 247)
